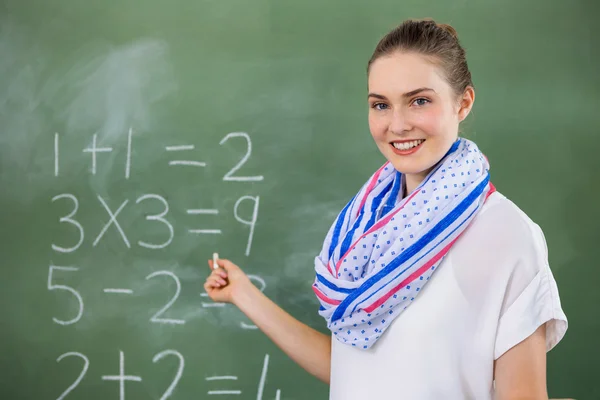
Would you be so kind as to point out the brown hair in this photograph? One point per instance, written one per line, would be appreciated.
(437, 41)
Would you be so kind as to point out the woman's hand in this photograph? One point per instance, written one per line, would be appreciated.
(308, 347)
(225, 282)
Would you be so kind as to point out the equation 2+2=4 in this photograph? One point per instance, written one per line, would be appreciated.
(122, 378)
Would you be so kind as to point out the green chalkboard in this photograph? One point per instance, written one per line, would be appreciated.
(137, 137)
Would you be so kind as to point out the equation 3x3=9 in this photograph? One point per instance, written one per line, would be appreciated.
(161, 219)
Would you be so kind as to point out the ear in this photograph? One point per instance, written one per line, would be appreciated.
(466, 103)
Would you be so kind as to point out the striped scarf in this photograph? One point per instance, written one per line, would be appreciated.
(382, 249)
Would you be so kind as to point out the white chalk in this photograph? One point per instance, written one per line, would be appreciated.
(215, 258)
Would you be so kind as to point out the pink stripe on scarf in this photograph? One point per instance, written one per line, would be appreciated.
(370, 187)
(412, 277)
(421, 270)
(325, 298)
(329, 269)
(373, 228)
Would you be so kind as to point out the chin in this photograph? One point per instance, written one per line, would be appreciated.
(410, 167)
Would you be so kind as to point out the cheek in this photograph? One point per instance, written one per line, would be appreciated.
(377, 126)
(431, 121)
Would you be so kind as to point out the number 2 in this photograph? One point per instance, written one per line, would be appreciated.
(86, 364)
(156, 317)
(171, 387)
(229, 176)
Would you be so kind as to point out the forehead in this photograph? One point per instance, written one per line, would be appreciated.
(399, 73)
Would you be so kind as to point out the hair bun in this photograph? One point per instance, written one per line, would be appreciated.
(449, 29)
(429, 38)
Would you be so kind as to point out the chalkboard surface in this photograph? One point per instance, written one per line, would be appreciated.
(138, 137)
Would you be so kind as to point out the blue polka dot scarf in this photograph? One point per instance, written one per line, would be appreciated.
(382, 249)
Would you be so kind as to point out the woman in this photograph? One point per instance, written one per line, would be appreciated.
(433, 284)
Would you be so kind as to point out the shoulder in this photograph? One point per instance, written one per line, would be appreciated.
(500, 216)
(500, 264)
(502, 244)
(501, 226)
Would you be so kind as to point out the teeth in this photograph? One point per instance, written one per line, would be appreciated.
(407, 145)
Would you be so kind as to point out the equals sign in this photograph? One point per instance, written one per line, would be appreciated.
(205, 212)
(223, 392)
(184, 162)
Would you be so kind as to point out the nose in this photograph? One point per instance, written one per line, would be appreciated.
(399, 123)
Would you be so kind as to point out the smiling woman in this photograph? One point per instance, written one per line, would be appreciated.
(420, 88)
(433, 284)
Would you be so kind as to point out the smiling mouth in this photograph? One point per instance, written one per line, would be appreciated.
(405, 146)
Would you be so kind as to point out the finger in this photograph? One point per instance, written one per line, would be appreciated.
(226, 264)
(219, 267)
(212, 281)
(210, 265)
(219, 273)
(221, 281)
(218, 280)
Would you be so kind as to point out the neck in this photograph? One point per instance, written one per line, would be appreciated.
(411, 181)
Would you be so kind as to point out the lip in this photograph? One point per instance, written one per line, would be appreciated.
(406, 152)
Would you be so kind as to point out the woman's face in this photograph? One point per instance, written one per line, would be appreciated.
(413, 112)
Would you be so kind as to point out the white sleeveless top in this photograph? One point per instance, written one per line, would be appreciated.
(493, 289)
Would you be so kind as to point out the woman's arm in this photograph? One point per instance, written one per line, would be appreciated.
(520, 373)
(308, 347)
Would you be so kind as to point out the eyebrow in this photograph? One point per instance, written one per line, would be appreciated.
(408, 94)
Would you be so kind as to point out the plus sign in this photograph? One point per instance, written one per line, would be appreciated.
(95, 150)
(121, 377)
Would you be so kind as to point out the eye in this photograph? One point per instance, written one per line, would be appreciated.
(379, 106)
(421, 101)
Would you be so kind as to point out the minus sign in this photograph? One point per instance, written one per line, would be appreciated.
(177, 148)
(206, 231)
(225, 392)
(123, 291)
